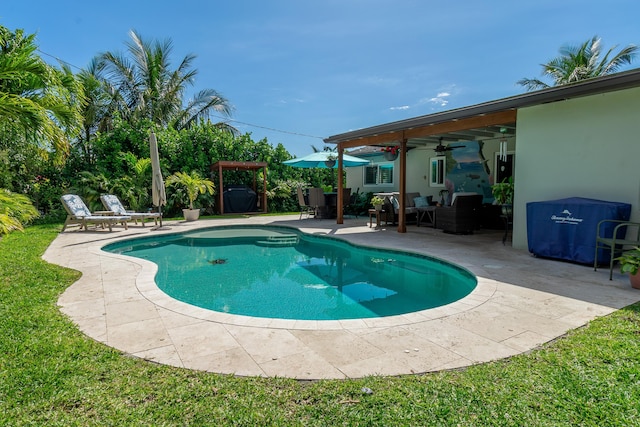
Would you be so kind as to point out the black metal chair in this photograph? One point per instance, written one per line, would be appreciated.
(304, 207)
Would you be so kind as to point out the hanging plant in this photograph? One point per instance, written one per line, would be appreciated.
(391, 152)
(395, 149)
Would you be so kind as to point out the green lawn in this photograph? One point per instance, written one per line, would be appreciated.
(51, 374)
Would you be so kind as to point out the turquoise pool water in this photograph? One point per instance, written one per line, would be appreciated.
(280, 272)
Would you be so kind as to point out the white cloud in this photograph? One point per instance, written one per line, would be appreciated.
(404, 107)
(440, 99)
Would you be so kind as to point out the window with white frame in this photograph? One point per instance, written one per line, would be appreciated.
(378, 174)
(437, 171)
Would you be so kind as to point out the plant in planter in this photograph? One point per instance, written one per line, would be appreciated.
(503, 194)
(377, 202)
(503, 191)
(630, 263)
(194, 185)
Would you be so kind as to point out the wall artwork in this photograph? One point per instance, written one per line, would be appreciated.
(467, 170)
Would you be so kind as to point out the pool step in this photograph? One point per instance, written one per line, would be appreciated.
(279, 241)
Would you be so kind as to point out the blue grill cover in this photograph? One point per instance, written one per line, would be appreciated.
(566, 228)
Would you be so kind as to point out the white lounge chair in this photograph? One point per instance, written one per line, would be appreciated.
(79, 213)
(113, 204)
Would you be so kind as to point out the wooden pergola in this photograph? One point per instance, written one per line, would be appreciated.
(249, 166)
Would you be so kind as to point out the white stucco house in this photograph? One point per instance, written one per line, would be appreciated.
(579, 140)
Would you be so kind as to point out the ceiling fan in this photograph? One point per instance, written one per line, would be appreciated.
(441, 148)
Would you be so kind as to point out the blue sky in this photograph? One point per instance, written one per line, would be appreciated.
(311, 69)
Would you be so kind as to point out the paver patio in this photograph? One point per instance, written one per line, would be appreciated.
(520, 302)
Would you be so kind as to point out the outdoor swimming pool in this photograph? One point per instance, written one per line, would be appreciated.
(282, 273)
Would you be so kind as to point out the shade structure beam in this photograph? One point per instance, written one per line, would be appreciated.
(340, 198)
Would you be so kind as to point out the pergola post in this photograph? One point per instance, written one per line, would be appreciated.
(340, 198)
(402, 221)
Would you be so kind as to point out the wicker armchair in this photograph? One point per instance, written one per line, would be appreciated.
(462, 217)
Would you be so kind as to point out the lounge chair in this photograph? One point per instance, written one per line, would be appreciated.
(79, 213)
(113, 204)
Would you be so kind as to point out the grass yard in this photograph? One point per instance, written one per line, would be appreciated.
(51, 374)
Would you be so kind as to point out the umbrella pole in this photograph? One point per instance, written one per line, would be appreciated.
(158, 227)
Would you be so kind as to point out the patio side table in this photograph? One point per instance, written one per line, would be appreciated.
(429, 212)
(376, 213)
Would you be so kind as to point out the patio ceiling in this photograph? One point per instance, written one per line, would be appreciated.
(477, 128)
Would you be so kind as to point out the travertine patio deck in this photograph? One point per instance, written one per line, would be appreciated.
(520, 303)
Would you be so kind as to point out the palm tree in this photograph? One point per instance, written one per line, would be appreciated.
(37, 100)
(15, 211)
(97, 109)
(144, 86)
(577, 63)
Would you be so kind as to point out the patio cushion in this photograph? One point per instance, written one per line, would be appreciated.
(422, 201)
(75, 205)
(456, 195)
(112, 203)
(409, 199)
(396, 204)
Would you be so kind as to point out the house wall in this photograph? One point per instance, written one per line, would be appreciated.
(585, 147)
(355, 177)
(417, 174)
(418, 161)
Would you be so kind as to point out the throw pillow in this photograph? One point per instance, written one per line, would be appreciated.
(396, 204)
(421, 202)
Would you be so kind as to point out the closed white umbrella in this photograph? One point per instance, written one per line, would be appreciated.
(158, 192)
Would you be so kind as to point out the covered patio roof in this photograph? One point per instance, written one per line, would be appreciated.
(480, 121)
(488, 120)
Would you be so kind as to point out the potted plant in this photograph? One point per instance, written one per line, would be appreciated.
(377, 202)
(194, 185)
(503, 195)
(630, 263)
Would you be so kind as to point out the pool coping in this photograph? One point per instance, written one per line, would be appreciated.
(118, 303)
